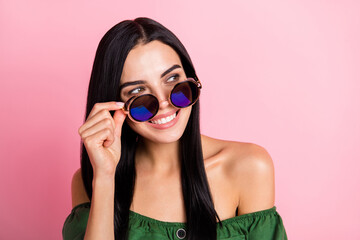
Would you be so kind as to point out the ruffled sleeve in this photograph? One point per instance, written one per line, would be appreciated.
(75, 224)
(262, 225)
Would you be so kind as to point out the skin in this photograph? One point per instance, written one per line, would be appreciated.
(240, 174)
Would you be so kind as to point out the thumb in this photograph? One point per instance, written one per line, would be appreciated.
(119, 117)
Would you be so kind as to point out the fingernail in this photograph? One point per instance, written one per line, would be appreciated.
(120, 104)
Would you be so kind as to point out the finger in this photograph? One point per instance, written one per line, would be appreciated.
(98, 117)
(99, 138)
(119, 117)
(103, 124)
(108, 142)
(105, 105)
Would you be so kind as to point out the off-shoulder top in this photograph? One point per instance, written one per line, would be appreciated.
(262, 225)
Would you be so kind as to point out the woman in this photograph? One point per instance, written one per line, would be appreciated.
(146, 171)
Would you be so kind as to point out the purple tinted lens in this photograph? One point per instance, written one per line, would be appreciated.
(144, 107)
(184, 94)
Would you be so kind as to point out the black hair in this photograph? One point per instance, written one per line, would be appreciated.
(104, 86)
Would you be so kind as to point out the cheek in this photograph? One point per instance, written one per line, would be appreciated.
(186, 113)
(134, 126)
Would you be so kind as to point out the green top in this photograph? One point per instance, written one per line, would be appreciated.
(262, 225)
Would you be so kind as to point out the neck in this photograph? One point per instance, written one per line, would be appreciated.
(158, 158)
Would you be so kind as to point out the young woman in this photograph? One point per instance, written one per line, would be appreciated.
(146, 171)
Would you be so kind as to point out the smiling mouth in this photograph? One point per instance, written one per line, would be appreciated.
(165, 120)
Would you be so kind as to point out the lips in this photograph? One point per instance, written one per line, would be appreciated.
(165, 125)
(160, 116)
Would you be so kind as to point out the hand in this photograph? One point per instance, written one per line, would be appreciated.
(101, 134)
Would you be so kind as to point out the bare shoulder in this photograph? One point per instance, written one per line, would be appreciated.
(212, 146)
(78, 193)
(249, 158)
(250, 170)
(228, 150)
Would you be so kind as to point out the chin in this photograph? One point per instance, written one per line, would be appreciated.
(172, 134)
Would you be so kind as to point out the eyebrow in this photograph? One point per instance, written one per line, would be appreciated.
(142, 81)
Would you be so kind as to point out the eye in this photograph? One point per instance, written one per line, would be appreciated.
(135, 90)
(174, 78)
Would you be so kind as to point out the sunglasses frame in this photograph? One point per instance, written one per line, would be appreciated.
(129, 101)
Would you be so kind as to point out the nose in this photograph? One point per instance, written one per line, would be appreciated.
(164, 103)
(162, 96)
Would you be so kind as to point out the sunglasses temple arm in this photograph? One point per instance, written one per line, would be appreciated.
(124, 110)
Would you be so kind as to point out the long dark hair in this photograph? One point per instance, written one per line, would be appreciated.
(104, 86)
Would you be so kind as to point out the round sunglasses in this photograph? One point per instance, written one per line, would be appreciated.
(141, 108)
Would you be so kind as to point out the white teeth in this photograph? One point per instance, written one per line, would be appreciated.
(164, 120)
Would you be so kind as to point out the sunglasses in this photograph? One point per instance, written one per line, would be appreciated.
(141, 108)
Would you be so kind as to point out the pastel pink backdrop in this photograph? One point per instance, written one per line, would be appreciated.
(281, 74)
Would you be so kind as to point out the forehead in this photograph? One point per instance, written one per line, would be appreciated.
(148, 60)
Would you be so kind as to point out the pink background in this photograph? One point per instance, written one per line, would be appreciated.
(281, 74)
